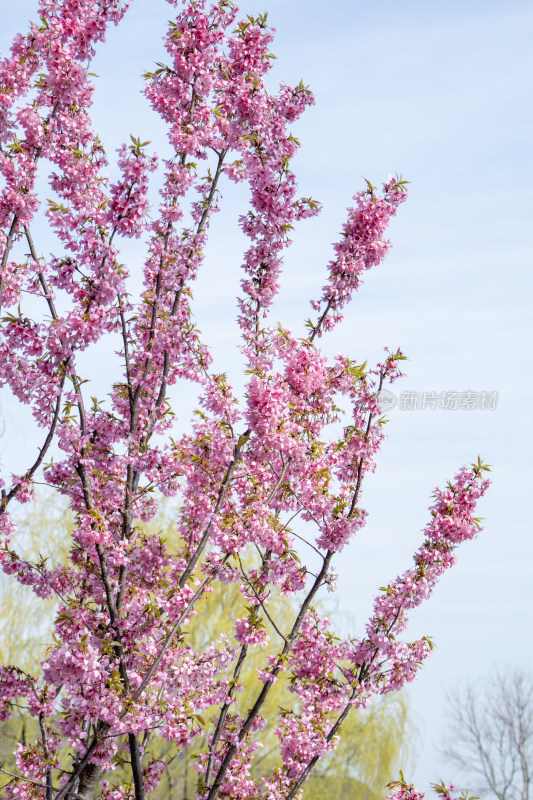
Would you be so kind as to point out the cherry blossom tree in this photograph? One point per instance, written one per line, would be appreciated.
(261, 479)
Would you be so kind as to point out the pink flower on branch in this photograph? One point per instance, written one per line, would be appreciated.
(362, 247)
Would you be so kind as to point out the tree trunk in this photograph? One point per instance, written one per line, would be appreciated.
(88, 782)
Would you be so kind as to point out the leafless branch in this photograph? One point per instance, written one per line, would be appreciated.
(490, 736)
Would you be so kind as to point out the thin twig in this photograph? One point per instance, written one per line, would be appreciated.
(221, 496)
(34, 783)
(42, 452)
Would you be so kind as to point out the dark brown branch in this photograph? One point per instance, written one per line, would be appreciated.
(13, 228)
(46, 753)
(136, 766)
(33, 783)
(320, 322)
(258, 598)
(355, 497)
(169, 637)
(82, 764)
(224, 712)
(252, 714)
(310, 766)
(221, 496)
(7, 250)
(175, 305)
(132, 475)
(42, 279)
(42, 452)
(279, 482)
(126, 351)
(106, 580)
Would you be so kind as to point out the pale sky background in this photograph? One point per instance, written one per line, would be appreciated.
(441, 92)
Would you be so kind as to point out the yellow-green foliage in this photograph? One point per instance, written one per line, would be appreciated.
(373, 747)
(25, 620)
(373, 743)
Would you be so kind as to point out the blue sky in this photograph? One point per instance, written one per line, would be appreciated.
(441, 92)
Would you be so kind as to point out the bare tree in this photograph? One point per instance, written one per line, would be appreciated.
(490, 734)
